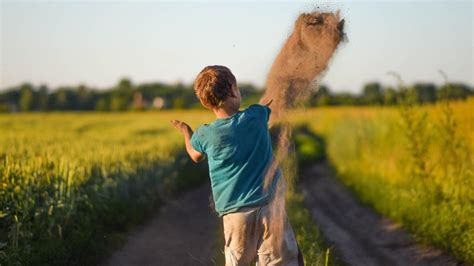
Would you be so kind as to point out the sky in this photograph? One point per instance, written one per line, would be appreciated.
(96, 43)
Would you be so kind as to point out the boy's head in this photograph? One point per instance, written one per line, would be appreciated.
(216, 85)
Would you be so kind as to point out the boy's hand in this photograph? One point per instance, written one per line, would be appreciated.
(186, 130)
(181, 126)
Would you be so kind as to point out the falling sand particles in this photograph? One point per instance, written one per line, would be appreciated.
(301, 61)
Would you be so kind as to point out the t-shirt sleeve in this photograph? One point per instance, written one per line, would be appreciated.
(196, 142)
(261, 110)
(268, 111)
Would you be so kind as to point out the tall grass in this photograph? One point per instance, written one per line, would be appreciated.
(68, 182)
(414, 165)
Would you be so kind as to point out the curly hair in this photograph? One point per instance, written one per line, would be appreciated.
(213, 85)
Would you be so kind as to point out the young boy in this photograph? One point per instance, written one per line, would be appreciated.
(239, 152)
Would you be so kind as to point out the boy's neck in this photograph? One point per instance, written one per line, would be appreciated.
(225, 111)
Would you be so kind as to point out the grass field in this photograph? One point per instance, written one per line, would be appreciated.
(67, 178)
(413, 164)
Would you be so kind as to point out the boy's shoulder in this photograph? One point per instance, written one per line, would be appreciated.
(198, 137)
(259, 109)
(257, 106)
(202, 128)
(254, 109)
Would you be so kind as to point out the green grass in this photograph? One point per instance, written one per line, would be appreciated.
(71, 182)
(414, 166)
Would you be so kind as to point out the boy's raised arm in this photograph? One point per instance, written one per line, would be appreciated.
(266, 102)
(186, 130)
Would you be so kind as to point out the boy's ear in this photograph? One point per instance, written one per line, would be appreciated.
(233, 92)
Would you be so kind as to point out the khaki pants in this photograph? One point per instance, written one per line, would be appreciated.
(250, 237)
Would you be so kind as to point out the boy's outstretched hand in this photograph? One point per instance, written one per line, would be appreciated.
(186, 130)
(181, 126)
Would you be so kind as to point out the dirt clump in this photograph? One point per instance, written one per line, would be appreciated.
(302, 59)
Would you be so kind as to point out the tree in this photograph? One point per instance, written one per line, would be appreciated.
(124, 85)
(178, 103)
(83, 95)
(322, 96)
(424, 92)
(121, 95)
(43, 96)
(372, 93)
(389, 96)
(345, 98)
(102, 105)
(62, 101)
(250, 94)
(452, 91)
(26, 97)
(118, 103)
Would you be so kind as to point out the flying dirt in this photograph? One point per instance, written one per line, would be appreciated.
(302, 59)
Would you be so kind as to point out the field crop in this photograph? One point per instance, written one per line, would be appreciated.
(413, 164)
(69, 181)
(66, 179)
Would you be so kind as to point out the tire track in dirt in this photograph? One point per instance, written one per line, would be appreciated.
(184, 232)
(361, 236)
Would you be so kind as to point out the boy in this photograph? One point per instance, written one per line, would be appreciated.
(239, 152)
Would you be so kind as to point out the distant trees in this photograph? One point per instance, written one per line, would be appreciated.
(424, 92)
(321, 97)
(389, 96)
(126, 95)
(26, 97)
(121, 95)
(43, 99)
(454, 91)
(372, 93)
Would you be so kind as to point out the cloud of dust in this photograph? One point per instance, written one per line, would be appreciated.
(302, 59)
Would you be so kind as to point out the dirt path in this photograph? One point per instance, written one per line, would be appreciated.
(360, 236)
(184, 232)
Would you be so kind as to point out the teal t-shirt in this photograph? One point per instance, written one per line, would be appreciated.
(239, 152)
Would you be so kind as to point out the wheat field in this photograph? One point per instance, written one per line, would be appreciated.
(69, 176)
(414, 165)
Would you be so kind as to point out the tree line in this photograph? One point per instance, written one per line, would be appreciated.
(375, 93)
(127, 96)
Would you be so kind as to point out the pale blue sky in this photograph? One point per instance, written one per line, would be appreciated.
(98, 42)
